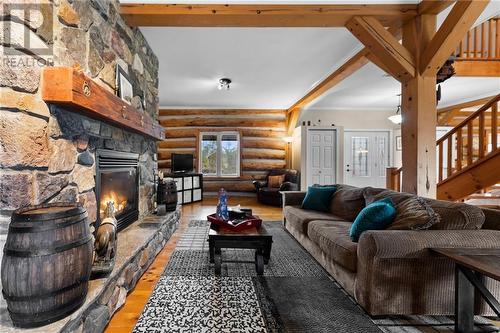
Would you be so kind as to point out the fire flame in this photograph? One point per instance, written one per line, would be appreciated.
(120, 202)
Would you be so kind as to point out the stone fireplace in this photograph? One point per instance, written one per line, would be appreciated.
(117, 183)
(50, 153)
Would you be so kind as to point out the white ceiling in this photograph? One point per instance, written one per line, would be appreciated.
(370, 88)
(274, 67)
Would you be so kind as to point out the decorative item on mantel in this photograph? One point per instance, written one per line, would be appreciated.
(79, 93)
(105, 243)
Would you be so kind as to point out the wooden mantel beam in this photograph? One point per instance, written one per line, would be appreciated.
(460, 19)
(216, 15)
(383, 45)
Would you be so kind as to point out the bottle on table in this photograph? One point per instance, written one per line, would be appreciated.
(222, 211)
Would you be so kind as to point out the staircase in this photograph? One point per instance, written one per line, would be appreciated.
(478, 54)
(468, 158)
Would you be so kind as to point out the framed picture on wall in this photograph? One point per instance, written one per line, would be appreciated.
(399, 145)
(123, 86)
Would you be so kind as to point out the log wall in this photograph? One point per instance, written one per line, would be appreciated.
(261, 141)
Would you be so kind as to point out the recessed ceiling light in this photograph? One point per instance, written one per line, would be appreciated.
(224, 83)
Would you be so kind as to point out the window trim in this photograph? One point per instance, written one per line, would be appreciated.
(219, 135)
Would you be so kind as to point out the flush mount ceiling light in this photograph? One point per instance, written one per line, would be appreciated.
(224, 83)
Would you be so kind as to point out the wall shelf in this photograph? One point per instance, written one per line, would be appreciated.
(80, 94)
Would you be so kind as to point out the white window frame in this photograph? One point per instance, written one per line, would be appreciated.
(219, 148)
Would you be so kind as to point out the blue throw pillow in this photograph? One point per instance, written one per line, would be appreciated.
(376, 216)
(318, 198)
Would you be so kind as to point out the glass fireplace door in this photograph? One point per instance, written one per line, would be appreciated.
(118, 187)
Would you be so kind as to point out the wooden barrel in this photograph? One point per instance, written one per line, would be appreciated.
(167, 194)
(46, 263)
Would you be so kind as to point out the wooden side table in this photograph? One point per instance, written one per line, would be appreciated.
(471, 266)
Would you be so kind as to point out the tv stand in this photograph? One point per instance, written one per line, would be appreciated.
(189, 186)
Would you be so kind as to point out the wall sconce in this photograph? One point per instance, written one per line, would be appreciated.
(288, 139)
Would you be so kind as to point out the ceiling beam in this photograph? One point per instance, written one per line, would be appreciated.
(460, 19)
(446, 114)
(468, 104)
(349, 67)
(260, 15)
(383, 45)
(433, 6)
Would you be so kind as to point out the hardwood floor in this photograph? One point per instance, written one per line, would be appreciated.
(124, 319)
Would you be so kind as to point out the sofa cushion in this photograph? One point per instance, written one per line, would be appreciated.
(414, 213)
(318, 198)
(456, 215)
(299, 218)
(376, 216)
(347, 202)
(372, 194)
(332, 237)
(275, 181)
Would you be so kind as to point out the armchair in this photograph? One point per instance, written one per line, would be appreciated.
(271, 195)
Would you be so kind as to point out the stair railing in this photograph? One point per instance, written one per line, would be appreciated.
(481, 42)
(471, 140)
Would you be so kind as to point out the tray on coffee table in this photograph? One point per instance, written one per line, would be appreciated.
(236, 224)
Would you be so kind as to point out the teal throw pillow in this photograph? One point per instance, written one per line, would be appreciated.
(376, 216)
(318, 198)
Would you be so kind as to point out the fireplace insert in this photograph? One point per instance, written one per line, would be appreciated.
(117, 180)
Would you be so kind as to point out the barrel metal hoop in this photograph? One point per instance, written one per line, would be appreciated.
(45, 295)
(23, 319)
(22, 214)
(48, 250)
(45, 226)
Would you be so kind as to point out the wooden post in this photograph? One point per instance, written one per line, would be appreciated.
(392, 175)
(418, 129)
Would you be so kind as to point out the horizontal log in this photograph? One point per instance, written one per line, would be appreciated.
(182, 143)
(165, 154)
(228, 112)
(257, 164)
(260, 143)
(164, 164)
(192, 132)
(223, 122)
(250, 153)
(171, 133)
(228, 185)
(260, 15)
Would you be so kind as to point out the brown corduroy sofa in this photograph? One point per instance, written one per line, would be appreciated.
(392, 271)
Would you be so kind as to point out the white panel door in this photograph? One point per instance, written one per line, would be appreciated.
(321, 157)
(366, 157)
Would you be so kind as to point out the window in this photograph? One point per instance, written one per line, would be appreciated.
(220, 154)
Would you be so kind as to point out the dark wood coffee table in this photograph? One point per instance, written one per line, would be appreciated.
(471, 266)
(254, 238)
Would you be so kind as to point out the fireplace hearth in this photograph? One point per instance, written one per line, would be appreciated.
(117, 180)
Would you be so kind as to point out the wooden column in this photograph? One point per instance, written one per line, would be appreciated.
(418, 129)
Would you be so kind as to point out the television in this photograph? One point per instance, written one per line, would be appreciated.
(182, 162)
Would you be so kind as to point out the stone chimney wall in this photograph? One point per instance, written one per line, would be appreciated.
(47, 153)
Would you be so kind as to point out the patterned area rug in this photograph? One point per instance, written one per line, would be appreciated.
(295, 294)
